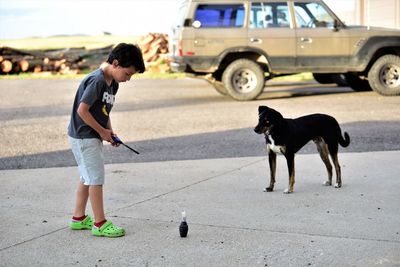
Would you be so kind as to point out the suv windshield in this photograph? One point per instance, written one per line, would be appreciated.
(220, 16)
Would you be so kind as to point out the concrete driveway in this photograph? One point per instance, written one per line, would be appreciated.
(199, 154)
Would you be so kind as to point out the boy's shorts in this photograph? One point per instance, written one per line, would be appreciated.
(89, 157)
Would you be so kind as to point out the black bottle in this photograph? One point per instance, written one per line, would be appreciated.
(183, 227)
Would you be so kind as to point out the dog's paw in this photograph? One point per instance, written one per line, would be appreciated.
(327, 183)
(268, 189)
(337, 185)
(287, 191)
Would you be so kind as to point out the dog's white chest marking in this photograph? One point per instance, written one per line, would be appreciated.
(273, 147)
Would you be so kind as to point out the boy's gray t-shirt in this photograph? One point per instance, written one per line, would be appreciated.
(95, 92)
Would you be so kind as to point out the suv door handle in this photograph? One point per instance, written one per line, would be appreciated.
(306, 40)
(255, 40)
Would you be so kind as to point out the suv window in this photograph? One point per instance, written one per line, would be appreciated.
(269, 15)
(312, 15)
(220, 16)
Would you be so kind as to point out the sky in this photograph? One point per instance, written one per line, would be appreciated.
(44, 18)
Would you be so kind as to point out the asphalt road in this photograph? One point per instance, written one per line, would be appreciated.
(181, 119)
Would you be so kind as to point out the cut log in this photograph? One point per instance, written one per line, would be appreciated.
(59, 63)
(150, 55)
(37, 68)
(147, 40)
(6, 66)
(23, 65)
(164, 50)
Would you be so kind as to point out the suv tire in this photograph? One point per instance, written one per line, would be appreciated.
(219, 87)
(384, 76)
(356, 83)
(244, 79)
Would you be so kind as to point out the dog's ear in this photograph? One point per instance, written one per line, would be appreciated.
(277, 114)
(261, 109)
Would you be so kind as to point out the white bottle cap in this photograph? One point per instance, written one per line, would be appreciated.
(184, 216)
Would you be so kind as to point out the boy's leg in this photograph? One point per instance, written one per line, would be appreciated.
(102, 227)
(82, 194)
(81, 221)
(89, 156)
(96, 200)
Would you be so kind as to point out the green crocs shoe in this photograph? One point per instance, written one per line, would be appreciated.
(85, 224)
(108, 229)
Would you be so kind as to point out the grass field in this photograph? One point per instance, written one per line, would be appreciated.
(47, 75)
(59, 42)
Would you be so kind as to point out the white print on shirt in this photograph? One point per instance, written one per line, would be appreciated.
(108, 98)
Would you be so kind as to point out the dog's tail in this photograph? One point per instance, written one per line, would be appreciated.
(344, 142)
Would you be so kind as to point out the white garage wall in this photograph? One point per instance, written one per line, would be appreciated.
(383, 13)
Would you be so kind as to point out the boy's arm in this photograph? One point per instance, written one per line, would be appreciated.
(109, 126)
(83, 112)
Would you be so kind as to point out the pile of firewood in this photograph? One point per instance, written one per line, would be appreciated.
(13, 60)
(154, 47)
(63, 61)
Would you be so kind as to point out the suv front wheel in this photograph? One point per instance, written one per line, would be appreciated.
(384, 76)
(219, 87)
(244, 79)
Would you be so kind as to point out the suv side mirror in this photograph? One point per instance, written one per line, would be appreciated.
(336, 25)
(196, 24)
(187, 22)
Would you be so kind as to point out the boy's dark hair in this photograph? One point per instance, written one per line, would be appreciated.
(127, 55)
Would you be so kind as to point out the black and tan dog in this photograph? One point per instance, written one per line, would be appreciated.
(287, 136)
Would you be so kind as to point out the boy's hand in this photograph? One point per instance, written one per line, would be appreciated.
(106, 135)
(113, 143)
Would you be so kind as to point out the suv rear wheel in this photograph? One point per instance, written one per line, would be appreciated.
(244, 79)
(384, 76)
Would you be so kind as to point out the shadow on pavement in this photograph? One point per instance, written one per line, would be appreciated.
(273, 91)
(365, 136)
(290, 90)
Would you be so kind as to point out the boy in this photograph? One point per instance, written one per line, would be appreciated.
(90, 125)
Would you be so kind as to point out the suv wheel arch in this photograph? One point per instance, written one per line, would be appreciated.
(254, 54)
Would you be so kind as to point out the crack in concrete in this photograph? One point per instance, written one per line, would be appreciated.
(140, 202)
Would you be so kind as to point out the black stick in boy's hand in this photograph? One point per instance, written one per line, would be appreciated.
(118, 141)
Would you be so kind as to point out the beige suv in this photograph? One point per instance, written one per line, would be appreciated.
(239, 44)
